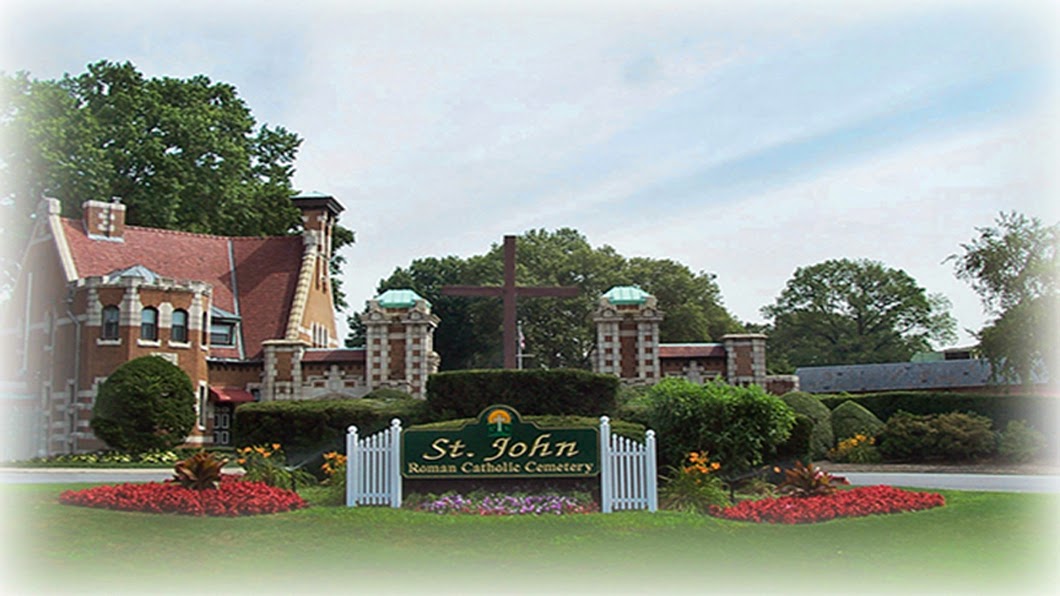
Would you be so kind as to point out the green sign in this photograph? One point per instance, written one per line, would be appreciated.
(500, 445)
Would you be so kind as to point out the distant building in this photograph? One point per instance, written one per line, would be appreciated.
(627, 345)
(953, 370)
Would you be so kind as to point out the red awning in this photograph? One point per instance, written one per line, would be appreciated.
(230, 395)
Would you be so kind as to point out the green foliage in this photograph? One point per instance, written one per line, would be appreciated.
(308, 428)
(808, 480)
(850, 418)
(1043, 410)
(952, 436)
(1019, 442)
(694, 488)
(147, 404)
(182, 154)
(1014, 267)
(740, 426)
(854, 312)
(464, 394)
(558, 332)
(200, 471)
(821, 439)
(797, 445)
(268, 464)
(388, 394)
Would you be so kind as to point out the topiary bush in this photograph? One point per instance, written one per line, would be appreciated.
(850, 419)
(147, 404)
(952, 436)
(738, 426)
(797, 446)
(821, 437)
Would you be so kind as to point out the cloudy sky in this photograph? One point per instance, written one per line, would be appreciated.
(741, 138)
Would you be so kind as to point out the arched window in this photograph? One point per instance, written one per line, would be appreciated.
(149, 324)
(179, 329)
(111, 317)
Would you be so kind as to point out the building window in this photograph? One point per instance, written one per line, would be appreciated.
(111, 316)
(205, 330)
(179, 328)
(222, 333)
(201, 407)
(149, 324)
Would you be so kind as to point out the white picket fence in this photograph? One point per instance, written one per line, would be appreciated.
(373, 467)
(628, 478)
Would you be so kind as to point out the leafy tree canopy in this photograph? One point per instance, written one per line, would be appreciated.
(853, 312)
(1014, 266)
(182, 154)
(558, 331)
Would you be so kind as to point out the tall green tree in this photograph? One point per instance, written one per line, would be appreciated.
(854, 312)
(1014, 267)
(558, 332)
(183, 154)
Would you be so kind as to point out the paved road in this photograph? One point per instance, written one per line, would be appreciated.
(988, 482)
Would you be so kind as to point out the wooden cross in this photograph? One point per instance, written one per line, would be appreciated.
(509, 292)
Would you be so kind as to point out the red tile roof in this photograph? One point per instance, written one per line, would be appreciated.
(266, 271)
(691, 351)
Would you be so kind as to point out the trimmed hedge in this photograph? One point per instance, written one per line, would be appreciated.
(851, 418)
(560, 392)
(623, 428)
(821, 438)
(313, 426)
(999, 408)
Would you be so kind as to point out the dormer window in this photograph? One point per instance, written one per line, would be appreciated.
(222, 333)
(111, 318)
(224, 328)
(149, 324)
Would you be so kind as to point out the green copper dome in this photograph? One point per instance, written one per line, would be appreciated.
(625, 295)
(398, 299)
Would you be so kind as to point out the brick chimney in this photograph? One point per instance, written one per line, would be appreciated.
(104, 221)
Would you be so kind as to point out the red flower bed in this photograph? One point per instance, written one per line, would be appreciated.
(232, 498)
(857, 502)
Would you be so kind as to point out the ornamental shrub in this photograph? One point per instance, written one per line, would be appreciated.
(951, 436)
(147, 404)
(739, 426)
(797, 445)
(1019, 442)
(821, 437)
(850, 419)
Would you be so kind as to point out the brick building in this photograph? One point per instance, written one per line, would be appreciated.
(627, 345)
(246, 318)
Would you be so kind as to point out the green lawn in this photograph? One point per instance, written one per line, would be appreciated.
(979, 542)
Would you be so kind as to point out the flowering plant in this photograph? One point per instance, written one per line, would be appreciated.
(859, 449)
(856, 502)
(231, 498)
(267, 463)
(695, 487)
(494, 504)
(334, 463)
